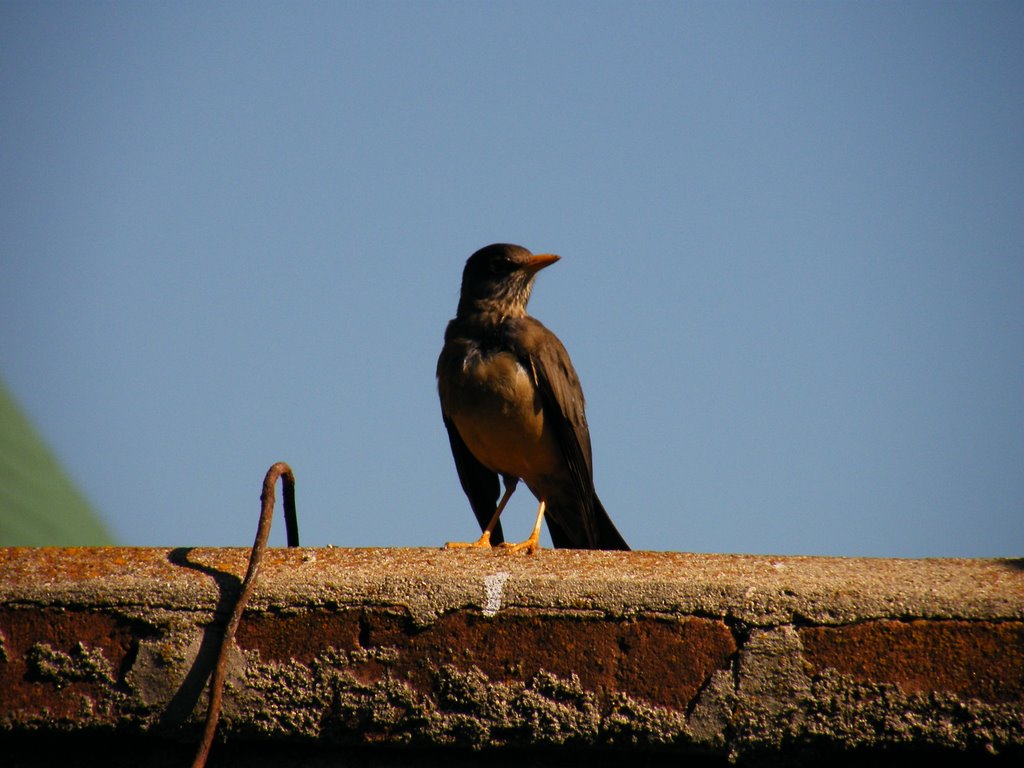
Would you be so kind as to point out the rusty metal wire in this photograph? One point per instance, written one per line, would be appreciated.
(279, 470)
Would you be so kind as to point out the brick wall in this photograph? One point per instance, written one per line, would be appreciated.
(566, 655)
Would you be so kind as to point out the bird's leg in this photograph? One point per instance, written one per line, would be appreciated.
(485, 537)
(531, 545)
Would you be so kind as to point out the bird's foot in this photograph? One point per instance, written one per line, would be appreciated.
(532, 545)
(484, 542)
(529, 547)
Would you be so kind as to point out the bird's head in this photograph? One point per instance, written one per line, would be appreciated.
(498, 279)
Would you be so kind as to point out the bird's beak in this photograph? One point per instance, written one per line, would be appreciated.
(540, 260)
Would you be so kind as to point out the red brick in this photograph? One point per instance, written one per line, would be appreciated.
(977, 659)
(23, 689)
(662, 662)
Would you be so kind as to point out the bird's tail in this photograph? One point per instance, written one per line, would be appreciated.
(608, 536)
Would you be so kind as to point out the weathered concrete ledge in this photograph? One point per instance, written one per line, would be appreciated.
(715, 655)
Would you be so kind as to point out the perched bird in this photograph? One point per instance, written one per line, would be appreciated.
(514, 407)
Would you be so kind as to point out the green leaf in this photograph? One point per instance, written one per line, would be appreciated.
(39, 505)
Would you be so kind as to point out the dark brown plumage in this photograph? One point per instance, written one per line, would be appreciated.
(513, 406)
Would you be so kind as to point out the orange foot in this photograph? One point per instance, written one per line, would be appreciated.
(532, 545)
(484, 542)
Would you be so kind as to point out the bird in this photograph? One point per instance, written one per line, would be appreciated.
(514, 408)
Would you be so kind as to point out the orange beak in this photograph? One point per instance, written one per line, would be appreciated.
(539, 261)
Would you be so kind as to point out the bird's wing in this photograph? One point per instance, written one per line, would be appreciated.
(564, 408)
(479, 483)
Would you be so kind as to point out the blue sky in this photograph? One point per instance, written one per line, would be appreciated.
(792, 278)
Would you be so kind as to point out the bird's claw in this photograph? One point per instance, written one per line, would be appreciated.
(484, 542)
(529, 547)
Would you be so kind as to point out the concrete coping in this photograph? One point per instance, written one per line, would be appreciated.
(756, 590)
